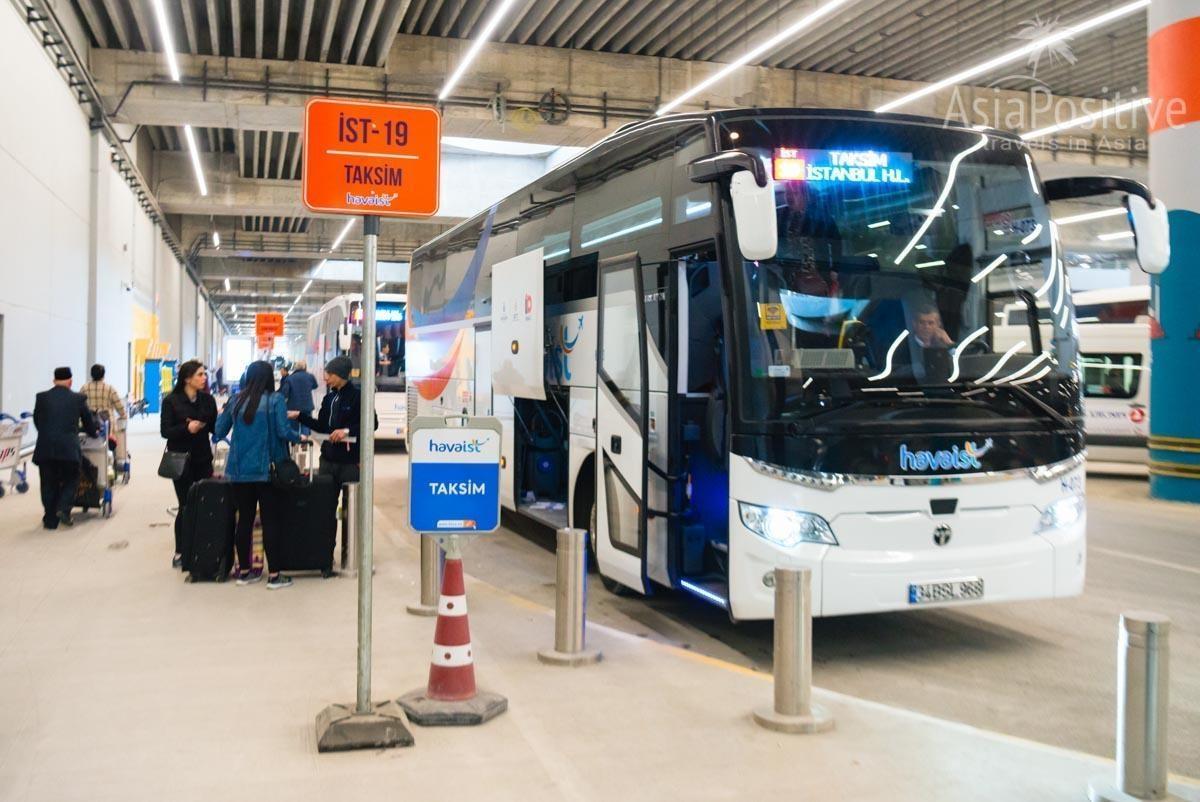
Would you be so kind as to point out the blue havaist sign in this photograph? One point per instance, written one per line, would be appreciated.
(454, 480)
(842, 166)
(954, 458)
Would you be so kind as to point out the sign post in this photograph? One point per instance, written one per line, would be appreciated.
(373, 159)
(454, 491)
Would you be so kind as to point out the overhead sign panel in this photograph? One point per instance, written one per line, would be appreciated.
(454, 476)
(371, 158)
(268, 324)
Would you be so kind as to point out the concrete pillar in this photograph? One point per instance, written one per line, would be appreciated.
(1174, 58)
(96, 151)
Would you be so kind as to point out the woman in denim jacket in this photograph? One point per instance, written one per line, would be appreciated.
(257, 417)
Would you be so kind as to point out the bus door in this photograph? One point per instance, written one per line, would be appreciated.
(622, 421)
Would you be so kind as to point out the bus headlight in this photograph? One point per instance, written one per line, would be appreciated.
(1063, 512)
(786, 528)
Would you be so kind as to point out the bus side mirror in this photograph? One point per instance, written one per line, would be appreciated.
(1152, 233)
(1151, 230)
(752, 193)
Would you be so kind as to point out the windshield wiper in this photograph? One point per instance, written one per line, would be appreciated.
(1033, 400)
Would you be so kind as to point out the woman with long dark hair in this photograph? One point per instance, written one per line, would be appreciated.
(188, 415)
(257, 418)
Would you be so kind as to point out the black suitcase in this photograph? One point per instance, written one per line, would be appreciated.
(207, 531)
(308, 527)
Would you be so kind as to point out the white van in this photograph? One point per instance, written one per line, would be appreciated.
(1114, 344)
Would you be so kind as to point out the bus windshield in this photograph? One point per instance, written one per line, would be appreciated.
(903, 249)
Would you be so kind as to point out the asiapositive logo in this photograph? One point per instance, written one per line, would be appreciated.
(966, 458)
(458, 447)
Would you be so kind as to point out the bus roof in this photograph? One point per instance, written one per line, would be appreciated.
(633, 129)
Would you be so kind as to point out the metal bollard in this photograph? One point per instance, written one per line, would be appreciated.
(432, 560)
(350, 544)
(1143, 691)
(793, 711)
(570, 603)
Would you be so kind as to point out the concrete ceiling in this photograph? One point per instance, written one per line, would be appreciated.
(249, 66)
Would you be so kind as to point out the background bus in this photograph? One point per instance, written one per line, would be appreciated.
(336, 330)
(1114, 346)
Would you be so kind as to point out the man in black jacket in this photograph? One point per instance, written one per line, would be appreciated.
(58, 414)
(340, 417)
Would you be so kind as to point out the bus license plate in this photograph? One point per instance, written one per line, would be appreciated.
(955, 590)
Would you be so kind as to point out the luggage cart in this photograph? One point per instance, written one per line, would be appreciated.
(121, 461)
(14, 467)
(96, 494)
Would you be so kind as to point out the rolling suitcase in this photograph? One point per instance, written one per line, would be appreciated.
(308, 513)
(207, 531)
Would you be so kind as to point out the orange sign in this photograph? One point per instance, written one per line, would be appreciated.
(266, 342)
(268, 323)
(371, 158)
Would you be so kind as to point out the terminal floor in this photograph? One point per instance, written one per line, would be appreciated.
(1039, 670)
(118, 681)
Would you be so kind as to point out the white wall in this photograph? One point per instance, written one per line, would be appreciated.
(44, 209)
(47, 242)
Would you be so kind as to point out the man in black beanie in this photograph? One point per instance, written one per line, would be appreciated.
(58, 414)
(339, 417)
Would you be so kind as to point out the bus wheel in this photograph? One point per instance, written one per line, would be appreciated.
(611, 585)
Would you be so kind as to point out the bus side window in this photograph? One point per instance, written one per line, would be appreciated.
(704, 325)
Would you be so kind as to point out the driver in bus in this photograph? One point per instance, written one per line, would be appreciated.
(929, 343)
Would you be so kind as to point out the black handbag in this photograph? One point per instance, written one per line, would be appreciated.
(173, 464)
(285, 473)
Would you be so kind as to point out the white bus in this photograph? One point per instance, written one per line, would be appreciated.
(768, 341)
(336, 330)
(1114, 345)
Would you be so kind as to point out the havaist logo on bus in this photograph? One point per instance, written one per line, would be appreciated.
(968, 457)
(566, 344)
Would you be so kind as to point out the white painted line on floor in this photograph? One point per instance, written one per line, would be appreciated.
(1148, 560)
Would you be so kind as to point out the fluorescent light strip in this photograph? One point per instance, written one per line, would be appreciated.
(934, 263)
(937, 209)
(1079, 122)
(1062, 319)
(1085, 216)
(622, 232)
(1035, 377)
(958, 349)
(1033, 182)
(227, 284)
(1032, 235)
(473, 51)
(216, 239)
(1035, 46)
(879, 224)
(1112, 235)
(996, 368)
(380, 286)
(195, 154)
(982, 274)
(168, 42)
(887, 363)
(342, 236)
(807, 382)
(754, 53)
(1019, 373)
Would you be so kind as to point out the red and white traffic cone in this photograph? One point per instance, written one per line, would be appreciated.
(452, 670)
(451, 698)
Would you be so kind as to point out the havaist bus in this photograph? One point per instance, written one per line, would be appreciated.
(336, 330)
(728, 341)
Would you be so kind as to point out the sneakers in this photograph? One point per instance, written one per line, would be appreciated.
(278, 581)
(249, 577)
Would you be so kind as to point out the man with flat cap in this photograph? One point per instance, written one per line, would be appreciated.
(58, 413)
(339, 418)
